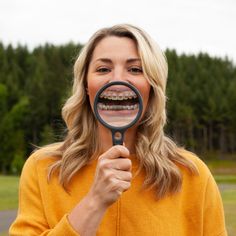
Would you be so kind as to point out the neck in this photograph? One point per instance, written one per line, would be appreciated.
(105, 138)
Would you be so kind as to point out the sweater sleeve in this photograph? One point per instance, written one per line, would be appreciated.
(214, 222)
(31, 219)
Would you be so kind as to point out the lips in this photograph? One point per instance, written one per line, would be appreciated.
(114, 100)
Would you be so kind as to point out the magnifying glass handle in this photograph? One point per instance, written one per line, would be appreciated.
(117, 137)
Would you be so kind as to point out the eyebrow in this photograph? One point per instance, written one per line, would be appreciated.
(133, 60)
(108, 60)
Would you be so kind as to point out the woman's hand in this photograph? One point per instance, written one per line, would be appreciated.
(113, 176)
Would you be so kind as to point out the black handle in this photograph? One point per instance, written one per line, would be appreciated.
(117, 137)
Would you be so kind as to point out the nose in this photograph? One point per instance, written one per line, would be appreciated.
(118, 75)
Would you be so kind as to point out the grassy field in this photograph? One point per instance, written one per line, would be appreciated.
(227, 186)
(8, 192)
(228, 193)
(222, 167)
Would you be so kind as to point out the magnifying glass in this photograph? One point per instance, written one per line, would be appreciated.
(118, 106)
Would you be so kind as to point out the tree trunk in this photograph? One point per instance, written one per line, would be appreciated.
(210, 137)
(205, 139)
(222, 142)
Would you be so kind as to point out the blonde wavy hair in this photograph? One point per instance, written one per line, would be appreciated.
(158, 155)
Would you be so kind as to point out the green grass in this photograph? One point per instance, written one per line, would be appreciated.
(224, 172)
(227, 179)
(8, 192)
(227, 185)
(228, 193)
(222, 167)
(3, 233)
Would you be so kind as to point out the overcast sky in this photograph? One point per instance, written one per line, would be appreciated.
(188, 26)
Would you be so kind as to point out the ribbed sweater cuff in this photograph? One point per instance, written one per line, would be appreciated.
(64, 228)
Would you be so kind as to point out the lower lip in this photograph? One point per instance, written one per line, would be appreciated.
(118, 118)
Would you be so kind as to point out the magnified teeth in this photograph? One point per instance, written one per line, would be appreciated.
(120, 97)
(102, 106)
(111, 95)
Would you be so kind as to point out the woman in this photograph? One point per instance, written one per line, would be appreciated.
(82, 186)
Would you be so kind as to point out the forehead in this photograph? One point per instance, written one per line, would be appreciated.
(115, 46)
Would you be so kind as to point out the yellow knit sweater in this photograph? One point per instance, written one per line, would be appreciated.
(43, 207)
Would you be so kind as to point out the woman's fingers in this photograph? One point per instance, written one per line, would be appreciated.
(115, 158)
(124, 164)
(123, 175)
(115, 152)
(119, 186)
(117, 175)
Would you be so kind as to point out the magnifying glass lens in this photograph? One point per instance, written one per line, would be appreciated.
(118, 105)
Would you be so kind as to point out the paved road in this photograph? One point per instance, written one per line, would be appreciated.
(6, 218)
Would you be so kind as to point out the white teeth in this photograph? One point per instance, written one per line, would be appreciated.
(111, 95)
(120, 97)
(117, 107)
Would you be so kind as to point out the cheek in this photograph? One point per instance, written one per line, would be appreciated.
(93, 86)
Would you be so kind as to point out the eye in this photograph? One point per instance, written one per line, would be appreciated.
(135, 70)
(103, 70)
